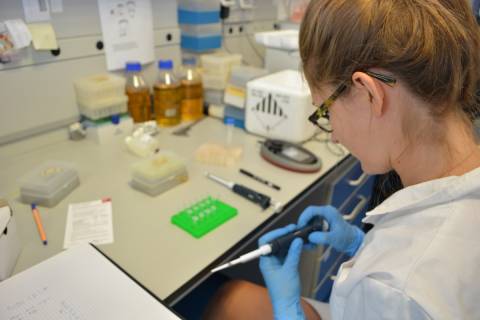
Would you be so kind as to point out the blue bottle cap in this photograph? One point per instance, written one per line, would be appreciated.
(165, 64)
(115, 119)
(229, 121)
(133, 66)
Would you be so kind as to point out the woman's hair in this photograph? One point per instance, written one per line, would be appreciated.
(433, 46)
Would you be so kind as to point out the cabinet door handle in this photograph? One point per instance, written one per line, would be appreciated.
(359, 181)
(358, 208)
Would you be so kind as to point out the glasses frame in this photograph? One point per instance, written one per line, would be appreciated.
(322, 111)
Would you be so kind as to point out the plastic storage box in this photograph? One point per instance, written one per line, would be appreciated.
(49, 183)
(201, 37)
(101, 95)
(236, 89)
(278, 107)
(211, 29)
(216, 69)
(282, 39)
(159, 173)
(219, 62)
(198, 11)
(104, 108)
(212, 96)
(201, 43)
(92, 89)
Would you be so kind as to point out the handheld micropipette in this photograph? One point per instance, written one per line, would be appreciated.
(278, 246)
(254, 196)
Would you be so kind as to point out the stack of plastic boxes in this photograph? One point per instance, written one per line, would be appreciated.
(216, 69)
(101, 95)
(200, 25)
(236, 93)
(102, 101)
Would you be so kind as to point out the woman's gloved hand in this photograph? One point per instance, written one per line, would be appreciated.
(341, 235)
(282, 278)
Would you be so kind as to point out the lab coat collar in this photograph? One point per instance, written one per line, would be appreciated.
(426, 194)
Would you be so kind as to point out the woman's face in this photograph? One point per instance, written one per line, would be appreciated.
(355, 126)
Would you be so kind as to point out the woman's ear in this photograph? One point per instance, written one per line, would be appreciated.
(370, 87)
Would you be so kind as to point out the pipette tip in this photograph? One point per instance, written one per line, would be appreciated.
(223, 266)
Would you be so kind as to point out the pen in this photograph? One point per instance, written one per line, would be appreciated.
(257, 178)
(38, 221)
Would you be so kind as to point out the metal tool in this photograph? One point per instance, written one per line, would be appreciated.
(184, 131)
(254, 196)
(277, 247)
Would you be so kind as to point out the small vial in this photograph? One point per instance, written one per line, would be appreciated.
(230, 123)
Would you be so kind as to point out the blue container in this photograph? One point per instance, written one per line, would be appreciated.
(200, 44)
(198, 17)
(235, 116)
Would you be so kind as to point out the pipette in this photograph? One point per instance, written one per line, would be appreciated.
(278, 246)
(254, 196)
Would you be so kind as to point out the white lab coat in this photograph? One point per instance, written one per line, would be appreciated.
(422, 258)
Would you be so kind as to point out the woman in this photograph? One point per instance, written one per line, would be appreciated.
(397, 80)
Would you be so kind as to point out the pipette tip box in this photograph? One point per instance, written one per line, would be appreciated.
(158, 173)
(49, 183)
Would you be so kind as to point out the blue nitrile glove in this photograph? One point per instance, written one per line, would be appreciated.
(341, 235)
(282, 278)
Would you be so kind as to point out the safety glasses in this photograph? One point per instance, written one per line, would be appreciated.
(322, 111)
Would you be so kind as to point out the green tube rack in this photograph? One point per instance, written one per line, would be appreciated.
(203, 216)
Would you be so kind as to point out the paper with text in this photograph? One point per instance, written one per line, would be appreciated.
(77, 284)
(89, 222)
(127, 28)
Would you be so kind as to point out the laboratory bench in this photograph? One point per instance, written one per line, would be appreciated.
(166, 260)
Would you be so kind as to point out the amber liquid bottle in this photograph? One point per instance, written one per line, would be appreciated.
(138, 92)
(192, 101)
(167, 95)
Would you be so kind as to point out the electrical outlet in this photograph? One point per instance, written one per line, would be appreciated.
(242, 29)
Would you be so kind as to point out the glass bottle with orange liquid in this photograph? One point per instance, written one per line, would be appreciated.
(167, 95)
(138, 92)
(192, 102)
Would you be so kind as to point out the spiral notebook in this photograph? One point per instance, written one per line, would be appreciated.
(78, 284)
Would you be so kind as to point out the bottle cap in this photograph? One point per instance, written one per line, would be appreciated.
(191, 61)
(133, 66)
(115, 119)
(165, 64)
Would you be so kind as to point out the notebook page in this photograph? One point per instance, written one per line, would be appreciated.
(77, 284)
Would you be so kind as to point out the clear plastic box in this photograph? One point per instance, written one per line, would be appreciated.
(49, 183)
(159, 173)
(214, 81)
(212, 96)
(98, 88)
(281, 39)
(201, 29)
(220, 62)
(199, 5)
(104, 108)
(240, 75)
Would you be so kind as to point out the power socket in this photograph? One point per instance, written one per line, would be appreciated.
(242, 29)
